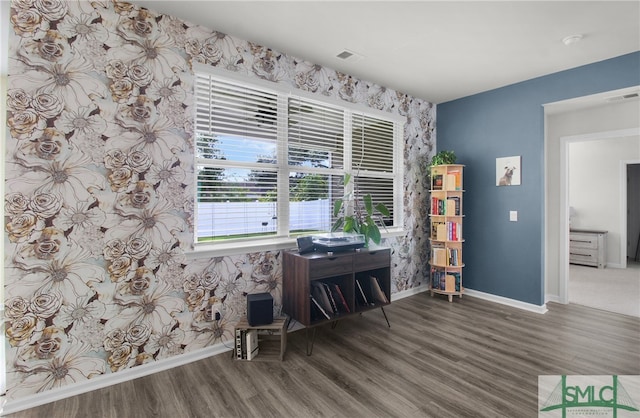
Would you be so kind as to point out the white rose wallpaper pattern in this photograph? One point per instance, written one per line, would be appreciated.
(99, 188)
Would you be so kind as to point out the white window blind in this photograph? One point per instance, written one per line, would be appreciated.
(316, 159)
(373, 159)
(271, 163)
(236, 141)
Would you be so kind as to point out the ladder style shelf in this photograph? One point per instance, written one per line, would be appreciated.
(446, 238)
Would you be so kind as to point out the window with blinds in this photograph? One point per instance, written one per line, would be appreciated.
(271, 164)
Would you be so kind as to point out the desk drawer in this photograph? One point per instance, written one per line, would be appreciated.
(578, 254)
(371, 259)
(584, 260)
(330, 266)
(578, 240)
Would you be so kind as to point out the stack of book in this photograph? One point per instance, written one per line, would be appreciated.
(454, 180)
(447, 281)
(449, 206)
(246, 344)
(445, 256)
(446, 231)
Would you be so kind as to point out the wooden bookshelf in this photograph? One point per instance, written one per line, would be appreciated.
(446, 237)
(358, 281)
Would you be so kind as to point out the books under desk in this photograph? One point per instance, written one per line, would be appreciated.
(261, 342)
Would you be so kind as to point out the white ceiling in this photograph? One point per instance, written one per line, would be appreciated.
(434, 50)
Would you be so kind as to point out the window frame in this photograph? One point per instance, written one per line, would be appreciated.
(283, 238)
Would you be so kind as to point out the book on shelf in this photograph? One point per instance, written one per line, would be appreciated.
(332, 301)
(446, 231)
(435, 277)
(452, 231)
(453, 206)
(378, 293)
(455, 181)
(450, 208)
(343, 306)
(241, 344)
(439, 256)
(449, 283)
(252, 343)
(317, 312)
(437, 182)
(451, 181)
(452, 256)
(361, 298)
(320, 294)
(435, 206)
(238, 343)
(434, 229)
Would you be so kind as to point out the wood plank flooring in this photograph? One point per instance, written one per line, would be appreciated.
(470, 358)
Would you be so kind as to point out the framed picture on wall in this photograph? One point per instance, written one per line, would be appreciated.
(508, 171)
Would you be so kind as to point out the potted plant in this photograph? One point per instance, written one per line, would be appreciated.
(358, 215)
(443, 157)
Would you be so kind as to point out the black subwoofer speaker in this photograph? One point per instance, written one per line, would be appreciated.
(259, 309)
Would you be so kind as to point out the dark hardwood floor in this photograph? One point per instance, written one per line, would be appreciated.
(469, 358)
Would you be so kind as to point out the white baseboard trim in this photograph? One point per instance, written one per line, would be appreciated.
(410, 292)
(480, 295)
(541, 309)
(552, 298)
(105, 380)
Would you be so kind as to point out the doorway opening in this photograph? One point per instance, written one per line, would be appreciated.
(589, 118)
(601, 197)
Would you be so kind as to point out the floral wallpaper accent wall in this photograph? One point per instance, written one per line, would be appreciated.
(99, 189)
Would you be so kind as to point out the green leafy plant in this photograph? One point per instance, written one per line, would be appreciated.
(362, 218)
(443, 157)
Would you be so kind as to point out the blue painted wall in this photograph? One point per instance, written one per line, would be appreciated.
(507, 258)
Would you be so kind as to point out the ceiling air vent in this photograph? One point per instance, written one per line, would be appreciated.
(350, 56)
(623, 97)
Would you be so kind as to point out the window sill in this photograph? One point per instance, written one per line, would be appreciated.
(206, 250)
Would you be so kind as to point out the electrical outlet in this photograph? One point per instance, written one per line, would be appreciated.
(213, 311)
(208, 314)
(216, 311)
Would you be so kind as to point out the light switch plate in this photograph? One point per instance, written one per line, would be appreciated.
(513, 215)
